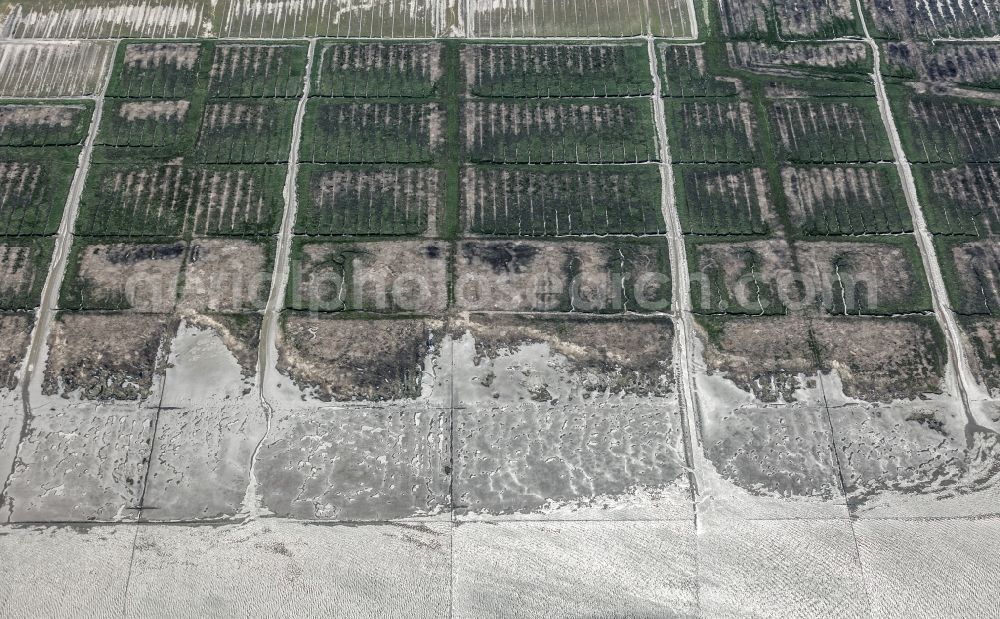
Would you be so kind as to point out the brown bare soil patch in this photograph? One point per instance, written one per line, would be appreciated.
(881, 359)
(17, 270)
(15, 332)
(763, 356)
(106, 356)
(511, 275)
(982, 336)
(130, 276)
(390, 276)
(754, 277)
(351, 359)
(224, 275)
(860, 277)
(149, 55)
(154, 110)
(977, 266)
(38, 115)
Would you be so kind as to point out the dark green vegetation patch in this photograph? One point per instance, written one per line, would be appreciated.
(30, 124)
(570, 131)
(940, 129)
(561, 201)
(845, 200)
(372, 132)
(387, 201)
(713, 131)
(724, 199)
(156, 70)
(181, 200)
(375, 69)
(556, 70)
(23, 266)
(242, 131)
(32, 196)
(257, 70)
(962, 200)
(828, 131)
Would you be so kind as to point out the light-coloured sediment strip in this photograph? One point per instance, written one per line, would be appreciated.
(267, 353)
(680, 306)
(30, 380)
(964, 382)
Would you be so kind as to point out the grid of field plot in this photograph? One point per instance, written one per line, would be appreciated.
(38, 155)
(786, 187)
(182, 203)
(53, 68)
(381, 19)
(409, 234)
(950, 141)
(450, 162)
(788, 19)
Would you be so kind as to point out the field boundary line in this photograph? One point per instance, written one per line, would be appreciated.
(964, 380)
(468, 38)
(680, 307)
(38, 341)
(267, 352)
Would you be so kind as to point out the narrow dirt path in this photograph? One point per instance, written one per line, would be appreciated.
(38, 343)
(267, 353)
(684, 329)
(964, 382)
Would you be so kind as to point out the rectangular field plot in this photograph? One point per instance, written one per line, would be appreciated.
(245, 70)
(388, 201)
(816, 19)
(23, 266)
(971, 270)
(794, 19)
(909, 19)
(246, 131)
(396, 276)
(578, 131)
(160, 127)
(53, 69)
(542, 18)
(870, 276)
(832, 200)
(609, 276)
(743, 277)
(513, 201)
(684, 72)
(963, 200)
(724, 200)
(44, 125)
(845, 57)
(161, 70)
(203, 275)
(172, 200)
(947, 129)
(372, 132)
(32, 196)
(983, 334)
(282, 19)
(970, 64)
(102, 19)
(117, 275)
(377, 69)
(828, 131)
(577, 70)
(713, 131)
